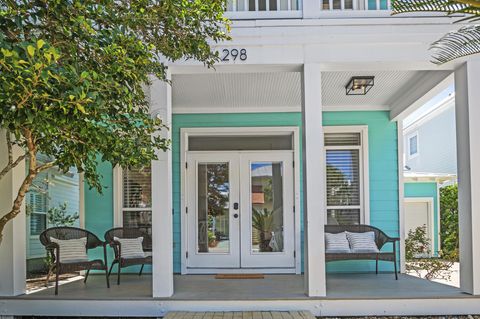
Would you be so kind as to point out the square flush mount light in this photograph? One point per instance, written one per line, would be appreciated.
(359, 85)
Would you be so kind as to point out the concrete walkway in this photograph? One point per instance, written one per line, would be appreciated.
(241, 315)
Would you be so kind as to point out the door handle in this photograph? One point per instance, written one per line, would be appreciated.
(235, 206)
(235, 215)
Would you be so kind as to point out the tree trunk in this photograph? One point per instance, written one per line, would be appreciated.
(33, 170)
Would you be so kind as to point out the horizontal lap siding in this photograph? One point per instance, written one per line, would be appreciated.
(214, 120)
(383, 171)
(99, 208)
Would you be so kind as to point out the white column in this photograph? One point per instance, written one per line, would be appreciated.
(401, 194)
(311, 9)
(467, 103)
(162, 219)
(314, 182)
(13, 247)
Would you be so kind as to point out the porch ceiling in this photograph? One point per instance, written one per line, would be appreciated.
(237, 92)
(281, 91)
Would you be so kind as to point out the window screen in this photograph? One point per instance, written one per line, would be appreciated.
(343, 177)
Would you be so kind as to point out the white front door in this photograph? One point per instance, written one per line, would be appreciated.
(240, 210)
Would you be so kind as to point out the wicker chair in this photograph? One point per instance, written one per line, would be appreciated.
(380, 239)
(121, 232)
(53, 250)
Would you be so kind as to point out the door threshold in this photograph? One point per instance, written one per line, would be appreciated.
(214, 271)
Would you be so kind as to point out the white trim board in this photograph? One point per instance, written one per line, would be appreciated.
(319, 307)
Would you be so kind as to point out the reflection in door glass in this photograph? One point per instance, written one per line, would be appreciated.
(267, 206)
(213, 208)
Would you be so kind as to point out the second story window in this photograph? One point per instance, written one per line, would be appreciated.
(346, 175)
(413, 145)
(136, 203)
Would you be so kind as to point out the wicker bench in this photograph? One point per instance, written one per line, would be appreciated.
(380, 239)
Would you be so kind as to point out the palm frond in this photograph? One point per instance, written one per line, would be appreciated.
(469, 7)
(457, 44)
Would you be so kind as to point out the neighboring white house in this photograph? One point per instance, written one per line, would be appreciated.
(52, 188)
(314, 94)
(429, 140)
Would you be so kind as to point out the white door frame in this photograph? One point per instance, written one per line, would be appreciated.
(185, 133)
(431, 216)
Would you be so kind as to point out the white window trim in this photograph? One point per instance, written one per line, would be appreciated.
(409, 137)
(118, 198)
(364, 168)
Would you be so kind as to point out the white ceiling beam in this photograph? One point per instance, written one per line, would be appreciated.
(425, 88)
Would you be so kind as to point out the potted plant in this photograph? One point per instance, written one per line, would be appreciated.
(262, 220)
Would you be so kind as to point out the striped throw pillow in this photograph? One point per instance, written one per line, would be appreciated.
(362, 242)
(72, 250)
(131, 247)
(336, 243)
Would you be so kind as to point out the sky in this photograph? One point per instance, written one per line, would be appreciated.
(429, 106)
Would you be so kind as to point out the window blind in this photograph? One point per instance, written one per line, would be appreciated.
(137, 189)
(343, 139)
(38, 208)
(137, 199)
(343, 177)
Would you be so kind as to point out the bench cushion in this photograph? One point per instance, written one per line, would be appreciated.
(362, 242)
(336, 243)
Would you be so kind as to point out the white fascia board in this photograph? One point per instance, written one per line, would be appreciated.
(427, 87)
(444, 105)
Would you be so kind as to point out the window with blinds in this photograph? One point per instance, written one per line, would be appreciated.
(137, 198)
(343, 151)
(38, 207)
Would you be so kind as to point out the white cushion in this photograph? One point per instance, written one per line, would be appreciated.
(131, 247)
(362, 242)
(336, 243)
(72, 250)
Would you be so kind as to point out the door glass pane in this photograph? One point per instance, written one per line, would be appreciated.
(267, 206)
(213, 208)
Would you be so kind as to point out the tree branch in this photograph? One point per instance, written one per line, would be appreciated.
(11, 163)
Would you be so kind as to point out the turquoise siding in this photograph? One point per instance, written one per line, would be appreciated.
(383, 171)
(426, 189)
(99, 208)
(214, 120)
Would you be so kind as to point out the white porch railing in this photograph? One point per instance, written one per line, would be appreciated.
(252, 9)
(281, 9)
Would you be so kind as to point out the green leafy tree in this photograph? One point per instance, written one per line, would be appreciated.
(59, 216)
(463, 42)
(73, 73)
(449, 234)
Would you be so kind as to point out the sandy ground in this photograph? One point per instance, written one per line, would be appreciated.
(454, 279)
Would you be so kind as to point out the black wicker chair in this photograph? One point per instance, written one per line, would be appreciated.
(121, 232)
(54, 253)
(380, 239)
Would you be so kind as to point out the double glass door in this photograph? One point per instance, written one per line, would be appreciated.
(240, 210)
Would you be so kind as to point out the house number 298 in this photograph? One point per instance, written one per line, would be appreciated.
(233, 55)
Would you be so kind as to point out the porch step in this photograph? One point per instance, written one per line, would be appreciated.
(241, 315)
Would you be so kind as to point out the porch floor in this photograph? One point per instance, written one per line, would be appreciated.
(272, 287)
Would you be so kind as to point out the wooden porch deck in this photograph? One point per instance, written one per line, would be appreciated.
(241, 315)
(272, 287)
(347, 295)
